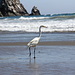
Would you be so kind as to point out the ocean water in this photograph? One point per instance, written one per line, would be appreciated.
(63, 23)
(25, 28)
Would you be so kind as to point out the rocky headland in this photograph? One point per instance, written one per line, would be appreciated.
(15, 8)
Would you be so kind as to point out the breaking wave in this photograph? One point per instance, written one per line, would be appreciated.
(58, 23)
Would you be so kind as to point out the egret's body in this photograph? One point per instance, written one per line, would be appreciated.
(35, 41)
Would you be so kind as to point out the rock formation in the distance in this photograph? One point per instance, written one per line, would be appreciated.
(15, 8)
(35, 11)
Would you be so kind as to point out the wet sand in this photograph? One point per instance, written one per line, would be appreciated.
(55, 55)
(51, 43)
(52, 58)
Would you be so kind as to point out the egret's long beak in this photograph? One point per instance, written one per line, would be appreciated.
(44, 26)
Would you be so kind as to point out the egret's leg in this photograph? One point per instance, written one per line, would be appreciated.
(34, 53)
(29, 51)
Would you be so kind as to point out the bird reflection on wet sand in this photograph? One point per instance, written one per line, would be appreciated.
(33, 66)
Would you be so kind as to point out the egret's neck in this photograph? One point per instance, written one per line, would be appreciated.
(40, 32)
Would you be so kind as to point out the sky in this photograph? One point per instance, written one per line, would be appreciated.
(50, 6)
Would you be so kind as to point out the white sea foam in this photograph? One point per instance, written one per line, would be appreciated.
(31, 24)
(32, 18)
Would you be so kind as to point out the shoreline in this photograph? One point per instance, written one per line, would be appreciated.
(50, 43)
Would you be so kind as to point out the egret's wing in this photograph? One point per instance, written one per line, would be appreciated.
(34, 42)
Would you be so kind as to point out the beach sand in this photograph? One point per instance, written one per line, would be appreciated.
(52, 58)
(58, 43)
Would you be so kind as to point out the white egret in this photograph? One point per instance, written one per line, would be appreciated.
(35, 41)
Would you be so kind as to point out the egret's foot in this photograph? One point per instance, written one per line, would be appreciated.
(34, 57)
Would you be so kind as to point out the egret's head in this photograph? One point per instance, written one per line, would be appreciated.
(43, 26)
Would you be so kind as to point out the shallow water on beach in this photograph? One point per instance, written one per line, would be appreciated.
(54, 60)
(26, 37)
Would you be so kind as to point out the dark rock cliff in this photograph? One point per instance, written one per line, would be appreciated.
(12, 8)
(15, 8)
